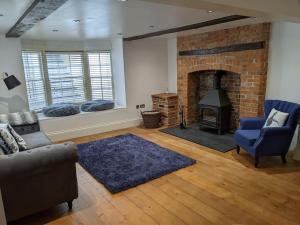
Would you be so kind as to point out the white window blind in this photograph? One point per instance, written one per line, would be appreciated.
(66, 77)
(34, 77)
(100, 75)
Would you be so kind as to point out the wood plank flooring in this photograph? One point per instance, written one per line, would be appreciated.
(220, 189)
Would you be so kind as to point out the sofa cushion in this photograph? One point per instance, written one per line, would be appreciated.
(27, 128)
(246, 137)
(37, 139)
(62, 109)
(97, 105)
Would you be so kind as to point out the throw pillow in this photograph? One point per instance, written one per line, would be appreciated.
(8, 139)
(19, 118)
(276, 118)
(20, 141)
(4, 118)
(4, 150)
(15, 118)
(30, 117)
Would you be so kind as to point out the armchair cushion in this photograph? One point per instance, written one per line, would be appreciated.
(246, 137)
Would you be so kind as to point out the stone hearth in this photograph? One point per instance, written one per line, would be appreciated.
(246, 69)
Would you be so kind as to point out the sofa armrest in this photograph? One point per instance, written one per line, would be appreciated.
(36, 160)
(251, 123)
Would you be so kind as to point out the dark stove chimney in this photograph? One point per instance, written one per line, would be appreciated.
(217, 79)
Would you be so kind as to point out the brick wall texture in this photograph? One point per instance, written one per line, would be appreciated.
(247, 70)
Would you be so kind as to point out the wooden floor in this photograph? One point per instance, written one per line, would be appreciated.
(220, 189)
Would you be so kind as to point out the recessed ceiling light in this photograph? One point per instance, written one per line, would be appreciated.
(119, 34)
(210, 11)
(55, 30)
(76, 21)
(122, 0)
(151, 26)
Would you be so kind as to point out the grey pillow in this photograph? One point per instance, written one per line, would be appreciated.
(62, 109)
(97, 105)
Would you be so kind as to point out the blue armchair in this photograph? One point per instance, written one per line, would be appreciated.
(271, 141)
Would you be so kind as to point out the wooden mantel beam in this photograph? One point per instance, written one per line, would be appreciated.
(37, 11)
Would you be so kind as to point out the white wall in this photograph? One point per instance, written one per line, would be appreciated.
(118, 72)
(11, 62)
(145, 74)
(172, 65)
(284, 62)
(84, 45)
(146, 70)
(283, 80)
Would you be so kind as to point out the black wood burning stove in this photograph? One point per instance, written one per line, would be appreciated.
(214, 108)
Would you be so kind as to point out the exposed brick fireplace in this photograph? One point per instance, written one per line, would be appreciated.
(242, 52)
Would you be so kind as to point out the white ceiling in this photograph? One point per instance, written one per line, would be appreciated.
(103, 19)
(11, 11)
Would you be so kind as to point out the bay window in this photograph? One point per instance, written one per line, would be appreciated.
(67, 77)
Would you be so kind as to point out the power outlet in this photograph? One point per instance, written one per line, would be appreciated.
(142, 106)
(137, 106)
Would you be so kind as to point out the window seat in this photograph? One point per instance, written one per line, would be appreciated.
(42, 117)
(69, 109)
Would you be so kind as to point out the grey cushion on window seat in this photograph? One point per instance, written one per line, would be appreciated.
(97, 105)
(62, 109)
(36, 139)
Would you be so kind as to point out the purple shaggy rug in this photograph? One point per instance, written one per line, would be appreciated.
(125, 161)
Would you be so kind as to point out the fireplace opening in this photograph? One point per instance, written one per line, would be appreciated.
(215, 106)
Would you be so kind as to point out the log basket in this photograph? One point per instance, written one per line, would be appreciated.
(152, 119)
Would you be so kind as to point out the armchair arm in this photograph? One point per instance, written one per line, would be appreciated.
(251, 123)
(274, 141)
(36, 160)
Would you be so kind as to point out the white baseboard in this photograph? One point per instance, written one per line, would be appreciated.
(95, 129)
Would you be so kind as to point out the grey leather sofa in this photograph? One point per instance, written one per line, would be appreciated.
(39, 178)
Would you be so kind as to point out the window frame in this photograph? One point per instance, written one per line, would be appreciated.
(87, 87)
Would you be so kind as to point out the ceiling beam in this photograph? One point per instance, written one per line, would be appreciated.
(272, 10)
(37, 11)
(221, 20)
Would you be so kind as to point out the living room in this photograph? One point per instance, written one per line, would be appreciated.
(149, 111)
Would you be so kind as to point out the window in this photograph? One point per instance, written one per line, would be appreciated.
(101, 75)
(67, 77)
(34, 79)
